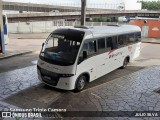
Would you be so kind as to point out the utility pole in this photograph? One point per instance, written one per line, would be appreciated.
(83, 12)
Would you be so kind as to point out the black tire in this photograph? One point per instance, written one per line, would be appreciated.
(125, 63)
(80, 84)
(46, 86)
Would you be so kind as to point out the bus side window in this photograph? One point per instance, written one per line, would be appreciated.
(108, 44)
(84, 48)
(90, 48)
(101, 45)
(122, 40)
(131, 38)
(111, 43)
(114, 43)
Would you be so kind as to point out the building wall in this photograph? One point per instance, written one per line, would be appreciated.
(48, 26)
(153, 25)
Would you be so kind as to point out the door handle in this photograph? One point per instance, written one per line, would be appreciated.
(115, 59)
(103, 64)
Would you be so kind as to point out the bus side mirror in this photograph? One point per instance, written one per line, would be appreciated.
(42, 45)
(84, 54)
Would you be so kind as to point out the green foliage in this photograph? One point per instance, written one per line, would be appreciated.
(151, 5)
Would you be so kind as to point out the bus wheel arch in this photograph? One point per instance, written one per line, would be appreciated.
(125, 62)
(128, 58)
(87, 77)
(81, 81)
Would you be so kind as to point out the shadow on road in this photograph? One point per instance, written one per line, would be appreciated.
(112, 75)
(39, 96)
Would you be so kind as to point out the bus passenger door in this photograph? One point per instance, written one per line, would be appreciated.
(101, 57)
(88, 64)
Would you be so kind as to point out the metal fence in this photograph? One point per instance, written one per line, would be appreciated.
(47, 26)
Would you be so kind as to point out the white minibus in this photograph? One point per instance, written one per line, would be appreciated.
(72, 57)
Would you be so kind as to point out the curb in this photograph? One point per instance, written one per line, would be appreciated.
(32, 38)
(152, 42)
(18, 54)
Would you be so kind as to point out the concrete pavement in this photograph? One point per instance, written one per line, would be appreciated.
(21, 36)
(9, 54)
(151, 40)
(121, 90)
(134, 92)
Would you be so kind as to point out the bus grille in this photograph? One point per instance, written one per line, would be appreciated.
(47, 74)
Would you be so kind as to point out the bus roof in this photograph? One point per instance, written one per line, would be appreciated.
(100, 31)
(109, 30)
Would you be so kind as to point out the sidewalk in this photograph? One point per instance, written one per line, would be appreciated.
(151, 40)
(28, 35)
(14, 53)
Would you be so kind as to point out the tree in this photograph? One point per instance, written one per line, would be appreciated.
(101, 20)
(151, 5)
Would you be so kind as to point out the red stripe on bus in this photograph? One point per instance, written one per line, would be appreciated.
(111, 51)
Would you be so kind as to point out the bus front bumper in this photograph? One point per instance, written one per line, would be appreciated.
(66, 83)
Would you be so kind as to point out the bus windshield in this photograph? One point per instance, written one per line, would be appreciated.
(60, 49)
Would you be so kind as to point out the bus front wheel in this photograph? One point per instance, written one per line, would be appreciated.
(80, 83)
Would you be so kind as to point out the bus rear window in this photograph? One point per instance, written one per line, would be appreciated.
(130, 38)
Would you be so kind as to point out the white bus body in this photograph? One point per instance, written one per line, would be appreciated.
(97, 51)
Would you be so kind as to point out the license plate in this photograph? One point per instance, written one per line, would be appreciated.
(47, 78)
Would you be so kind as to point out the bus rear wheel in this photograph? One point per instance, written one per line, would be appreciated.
(81, 82)
(125, 63)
